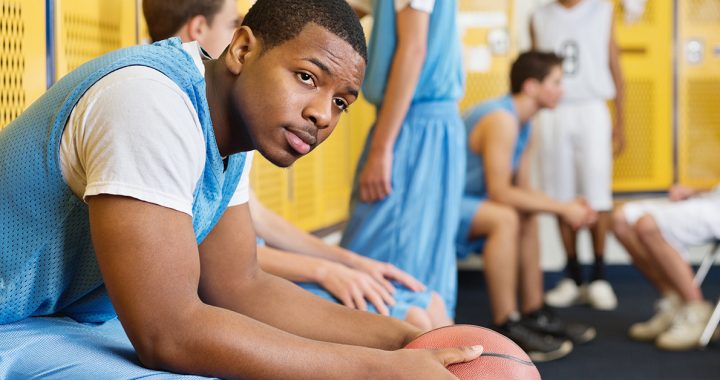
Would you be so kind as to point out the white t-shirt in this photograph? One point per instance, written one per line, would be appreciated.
(581, 35)
(135, 133)
(421, 5)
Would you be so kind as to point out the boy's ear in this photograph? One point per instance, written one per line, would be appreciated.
(244, 45)
(195, 28)
(530, 86)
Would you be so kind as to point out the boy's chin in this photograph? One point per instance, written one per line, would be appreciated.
(279, 157)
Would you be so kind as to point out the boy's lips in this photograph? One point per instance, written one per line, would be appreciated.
(296, 142)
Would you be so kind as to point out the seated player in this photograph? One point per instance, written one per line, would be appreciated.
(657, 234)
(123, 184)
(499, 209)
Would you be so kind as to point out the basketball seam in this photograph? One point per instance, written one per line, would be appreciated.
(504, 356)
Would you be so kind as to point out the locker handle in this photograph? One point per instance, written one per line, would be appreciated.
(635, 50)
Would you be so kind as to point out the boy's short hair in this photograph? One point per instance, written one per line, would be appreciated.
(165, 17)
(532, 65)
(277, 21)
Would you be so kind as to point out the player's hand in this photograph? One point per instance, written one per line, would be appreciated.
(618, 141)
(578, 214)
(354, 288)
(375, 178)
(430, 364)
(591, 215)
(383, 273)
(679, 193)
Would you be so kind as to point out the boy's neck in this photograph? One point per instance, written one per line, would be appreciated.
(231, 135)
(569, 3)
(525, 107)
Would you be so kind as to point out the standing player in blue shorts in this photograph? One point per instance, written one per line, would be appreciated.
(407, 191)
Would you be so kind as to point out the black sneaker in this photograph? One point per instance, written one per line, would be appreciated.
(539, 347)
(545, 321)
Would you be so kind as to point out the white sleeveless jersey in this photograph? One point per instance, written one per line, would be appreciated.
(581, 35)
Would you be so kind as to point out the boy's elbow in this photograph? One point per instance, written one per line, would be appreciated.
(159, 345)
(497, 197)
(160, 351)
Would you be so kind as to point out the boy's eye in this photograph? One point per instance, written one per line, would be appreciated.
(306, 78)
(342, 104)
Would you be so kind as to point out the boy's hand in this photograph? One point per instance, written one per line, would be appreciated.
(429, 364)
(353, 288)
(383, 273)
(375, 178)
(680, 192)
(618, 141)
(578, 214)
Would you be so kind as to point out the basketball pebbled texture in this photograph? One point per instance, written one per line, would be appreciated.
(502, 359)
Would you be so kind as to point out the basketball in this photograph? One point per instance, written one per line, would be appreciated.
(501, 358)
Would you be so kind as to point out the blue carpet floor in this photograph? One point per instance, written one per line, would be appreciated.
(611, 355)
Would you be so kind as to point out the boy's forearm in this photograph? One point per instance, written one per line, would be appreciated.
(527, 201)
(290, 266)
(402, 82)
(279, 233)
(220, 343)
(292, 309)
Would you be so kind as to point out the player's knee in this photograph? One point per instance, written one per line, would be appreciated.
(646, 227)
(620, 224)
(506, 220)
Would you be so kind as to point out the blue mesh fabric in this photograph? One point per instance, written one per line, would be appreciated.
(47, 262)
(60, 348)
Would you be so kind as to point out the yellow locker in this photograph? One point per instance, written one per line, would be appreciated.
(698, 52)
(646, 62)
(488, 48)
(270, 184)
(304, 195)
(361, 115)
(86, 29)
(336, 174)
(22, 56)
(244, 5)
(142, 28)
(359, 121)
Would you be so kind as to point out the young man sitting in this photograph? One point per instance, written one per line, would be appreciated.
(657, 235)
(123, 183)
(499, 208)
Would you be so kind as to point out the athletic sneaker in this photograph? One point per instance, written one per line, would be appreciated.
(545, 321)
(687, 327)
(565, 294)
(666, 309)
(539, 347)
(600, 295)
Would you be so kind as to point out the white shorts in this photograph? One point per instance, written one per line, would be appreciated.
(683, 224)
(576, 153)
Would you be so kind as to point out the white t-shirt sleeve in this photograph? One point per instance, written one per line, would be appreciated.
(242, 193)
(136, 134)
(420, 5)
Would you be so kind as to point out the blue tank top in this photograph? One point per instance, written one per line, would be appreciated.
(442, 76)
(475, 179)
(48, 263)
